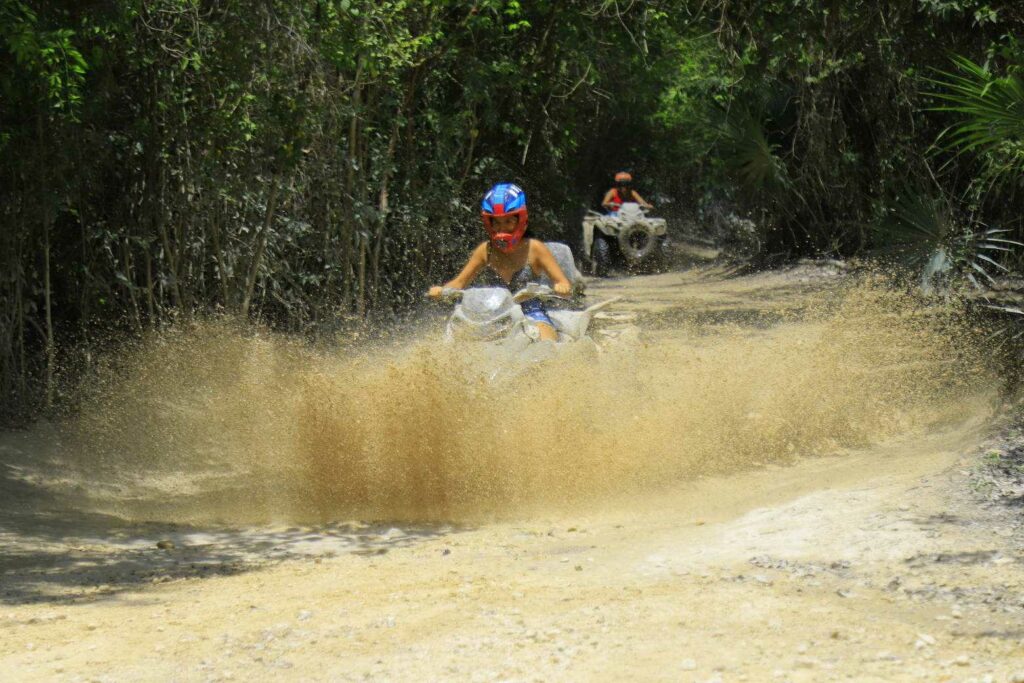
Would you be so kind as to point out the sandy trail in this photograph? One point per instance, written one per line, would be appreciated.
(860, 562)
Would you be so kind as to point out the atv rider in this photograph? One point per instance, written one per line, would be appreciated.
(511, 257)
(623, 192)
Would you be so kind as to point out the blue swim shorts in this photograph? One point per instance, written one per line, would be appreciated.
(534, 310)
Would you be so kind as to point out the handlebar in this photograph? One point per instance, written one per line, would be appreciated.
(643, 209)
(449, 295)
(533, 290)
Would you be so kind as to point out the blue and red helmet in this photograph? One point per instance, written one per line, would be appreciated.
(505, 199)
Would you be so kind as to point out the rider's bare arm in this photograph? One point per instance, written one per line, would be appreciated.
(641, 201)
(608, 197)
(541, 259)
(477, 261)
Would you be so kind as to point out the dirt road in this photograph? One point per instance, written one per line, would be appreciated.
(852, 549)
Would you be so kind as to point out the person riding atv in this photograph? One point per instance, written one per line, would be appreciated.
(622, 193)
(625, 236)
(511, 257)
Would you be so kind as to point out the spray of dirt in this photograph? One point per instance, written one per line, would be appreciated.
(210, 424)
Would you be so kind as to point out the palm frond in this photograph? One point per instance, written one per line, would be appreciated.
(917, 219)
(1014, 310)
(998, 265)
(1012, 326)
(945, 244)
(990, 110)
(753, 158)
(979, 268)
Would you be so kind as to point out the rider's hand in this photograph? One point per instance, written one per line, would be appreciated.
(563, 288)
(435, 292)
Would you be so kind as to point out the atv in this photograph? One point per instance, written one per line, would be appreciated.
(492, 317)
(627, 238)
(493, 313)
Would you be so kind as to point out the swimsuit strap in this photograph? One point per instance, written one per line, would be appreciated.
(524, 273)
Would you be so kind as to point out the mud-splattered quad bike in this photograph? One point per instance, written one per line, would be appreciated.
(493, 316)
(628, 238)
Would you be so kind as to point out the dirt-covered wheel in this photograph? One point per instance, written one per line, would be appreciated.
(600, 256)
(636, 242)
(659, 258)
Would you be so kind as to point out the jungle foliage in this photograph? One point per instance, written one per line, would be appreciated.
(303, 164)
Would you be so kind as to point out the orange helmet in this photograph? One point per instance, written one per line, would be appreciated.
(623, 178)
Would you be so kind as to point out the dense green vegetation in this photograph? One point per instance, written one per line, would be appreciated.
(305, 163)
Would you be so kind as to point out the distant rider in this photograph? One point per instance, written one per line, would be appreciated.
(511, 258)
(623, 192)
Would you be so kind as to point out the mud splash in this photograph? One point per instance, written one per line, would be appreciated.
(210, 424)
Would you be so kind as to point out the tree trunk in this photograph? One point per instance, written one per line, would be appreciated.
(218, 253)
(130, 285)
(350, 189)
(473, 135)
(361, 274)
(84, 288)
(150, 303)
(172, 260)
(382, 206)
(389, 169)
(51, 352)
(156, 190)
(261, 245)
(19, 304)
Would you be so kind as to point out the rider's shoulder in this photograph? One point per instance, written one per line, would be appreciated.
(538, 250)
